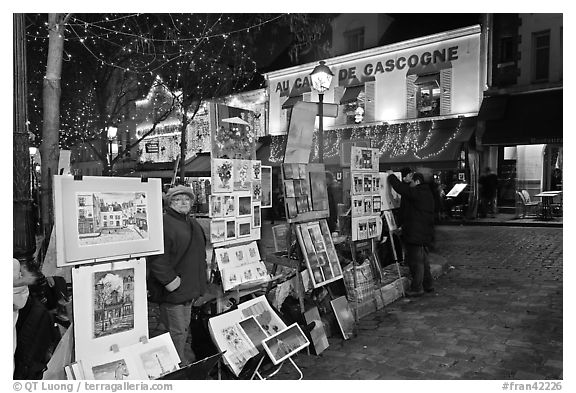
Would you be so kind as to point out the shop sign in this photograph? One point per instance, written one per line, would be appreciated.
(152, 147)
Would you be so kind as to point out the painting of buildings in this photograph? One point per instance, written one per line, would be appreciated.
(113, 295)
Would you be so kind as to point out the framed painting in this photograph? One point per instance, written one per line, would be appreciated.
(229, 336)
(357, 203)
(256, 215)
(280, 236)
(318, 191)
(229, 205)
(110, 365)
(243, 227)
(390, 221)
(260, 309)
(222, 175)
(230, 229)
(99, 219)
(215, 207)
(157, 357)
(256, 190)
(217, 231)
(377, 204)
(286, 343)
(291, 209)
(390, 198)
(256, 170)
(242, 173)
(254, 331)
(110, 305)
(357, 184)
(244, 205)
(344, 316)
(266, 197)
(289, 189)
(318, 333)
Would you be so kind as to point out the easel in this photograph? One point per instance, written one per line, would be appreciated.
(391, 230)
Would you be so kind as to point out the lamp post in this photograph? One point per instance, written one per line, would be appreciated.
(111, 135)
(321, 78)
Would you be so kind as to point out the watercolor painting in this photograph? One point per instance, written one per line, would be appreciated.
(111, 217)
(285, 343)
(222, 175)
(217, 231)
(229, 206)
(230, 229)
(113, 294)
(160, 360)
(242, 174)
(256, 216)
(215, 207)
(256, 170)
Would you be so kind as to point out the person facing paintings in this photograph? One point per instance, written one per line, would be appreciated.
(178, 277)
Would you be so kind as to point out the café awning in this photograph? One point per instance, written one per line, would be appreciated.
(523, 119)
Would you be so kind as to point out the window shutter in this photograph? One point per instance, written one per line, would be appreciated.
(411, 88)
(446, 91)
(338, 93)
(370, 105)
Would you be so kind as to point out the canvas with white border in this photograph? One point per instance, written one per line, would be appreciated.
(84, 235)
(90, 320)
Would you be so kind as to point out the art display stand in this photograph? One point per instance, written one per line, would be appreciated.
(392, 229)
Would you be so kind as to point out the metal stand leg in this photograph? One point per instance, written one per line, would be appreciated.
(257, 373)
(396, 261)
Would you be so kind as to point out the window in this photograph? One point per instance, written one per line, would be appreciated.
(428, 95)
(506, 49)
(354, 39)
(540, 56)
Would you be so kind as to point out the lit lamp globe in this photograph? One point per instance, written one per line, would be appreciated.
(321, 79)
(112, 131)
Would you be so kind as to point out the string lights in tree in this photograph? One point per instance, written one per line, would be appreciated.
(111, 60)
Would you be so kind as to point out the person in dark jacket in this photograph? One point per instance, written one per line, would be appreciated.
(417, 230)
(181, 270)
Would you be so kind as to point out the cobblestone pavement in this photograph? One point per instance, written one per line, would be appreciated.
(496, 314)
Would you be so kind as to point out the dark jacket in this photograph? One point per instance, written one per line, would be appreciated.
(418, 214)
(184, 256)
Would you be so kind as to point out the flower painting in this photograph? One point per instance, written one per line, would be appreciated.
(242, 174)
(222, 175)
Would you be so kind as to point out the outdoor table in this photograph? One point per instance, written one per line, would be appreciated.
(547, 198)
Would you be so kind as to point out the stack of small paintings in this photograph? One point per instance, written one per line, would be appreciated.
(240, 265)
(366, 199)
(152, 359)
(305, 192)
(319, 252)
(242, 333)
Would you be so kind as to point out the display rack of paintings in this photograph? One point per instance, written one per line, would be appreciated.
(236, 201)
(365, 198)
(305, 192)
(240, 333)
(99, 219)
(319, 252)
(110, 306)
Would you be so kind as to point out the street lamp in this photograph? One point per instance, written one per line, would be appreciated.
(112, 131)
(321, 78)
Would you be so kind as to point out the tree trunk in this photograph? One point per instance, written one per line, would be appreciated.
(49, 149)
(183, 145)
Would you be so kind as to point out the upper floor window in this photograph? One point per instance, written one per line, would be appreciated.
(428, 95)
(540, 56)
(507, 49)
(354, 39)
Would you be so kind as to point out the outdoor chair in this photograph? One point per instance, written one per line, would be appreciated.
(529, 208)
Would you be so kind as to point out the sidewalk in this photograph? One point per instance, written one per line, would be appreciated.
(505, 219)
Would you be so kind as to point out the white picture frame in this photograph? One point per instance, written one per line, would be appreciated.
(266, 197)
(260, 309)
(82, 233)
(285, 343)
(243, 227)
(217, 231)
(97, 323)
(222, 175)
(157, 357)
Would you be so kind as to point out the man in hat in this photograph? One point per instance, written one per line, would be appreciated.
(417, 230)
(179, 274)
